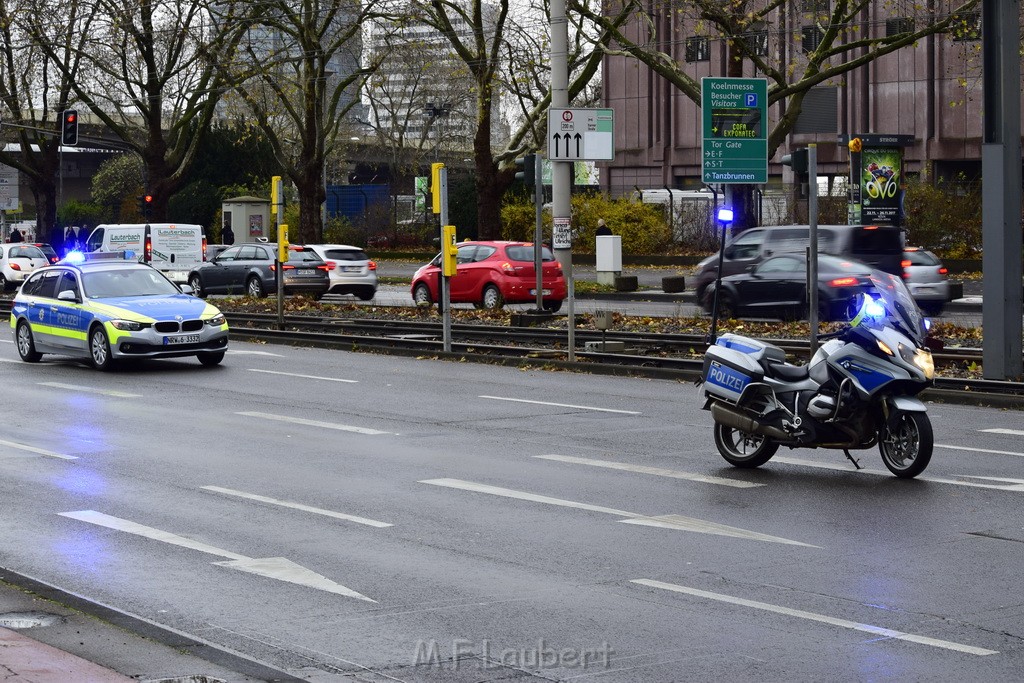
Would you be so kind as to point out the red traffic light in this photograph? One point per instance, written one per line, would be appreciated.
(71, 117)
(148, 199)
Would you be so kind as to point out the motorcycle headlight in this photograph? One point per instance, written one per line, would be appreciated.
(217, 320)
(919, 358)
(128, 325)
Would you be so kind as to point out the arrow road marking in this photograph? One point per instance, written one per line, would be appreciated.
(562, 405)
(656, 471)
(37, 451)
(297, 506)
(665, 521)
(313, 423)
(821, 618)
(272, 567)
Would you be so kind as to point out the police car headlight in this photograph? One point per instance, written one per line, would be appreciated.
(217, 320)
(128, 325)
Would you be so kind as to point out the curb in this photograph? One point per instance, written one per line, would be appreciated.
(165, 635)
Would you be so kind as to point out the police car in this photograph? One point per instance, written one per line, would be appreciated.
(107, 310)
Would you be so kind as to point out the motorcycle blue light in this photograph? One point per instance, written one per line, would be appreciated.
(927, 323)
(874, 308)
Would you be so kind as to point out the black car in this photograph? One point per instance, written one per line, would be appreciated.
(250, 269)
(777, 288)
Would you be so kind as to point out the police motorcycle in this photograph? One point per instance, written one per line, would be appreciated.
(858, 390)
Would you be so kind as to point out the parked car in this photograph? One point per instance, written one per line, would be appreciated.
(879, 246)
(108, 310)
(777, 288)
(492, 274)
(250, 269)
(18, 260)
(51, 254)
(926, 278)
(350, 269)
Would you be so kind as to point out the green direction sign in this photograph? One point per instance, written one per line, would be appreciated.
(735, 122)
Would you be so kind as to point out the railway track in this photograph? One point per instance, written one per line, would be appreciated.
(677, 356)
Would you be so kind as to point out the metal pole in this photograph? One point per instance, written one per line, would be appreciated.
(812, 260)
(538, 232)
(446, 296)
(561, 172)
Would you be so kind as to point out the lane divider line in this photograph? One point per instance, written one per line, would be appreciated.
(821, 618)
(90, 390)
(293, 374)
(313, 423)
(656, 471)
(562, 405)
(296, 506)
(1016, 488)
(37, 451)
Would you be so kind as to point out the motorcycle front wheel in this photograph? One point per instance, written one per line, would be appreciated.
(906, 444)
(741, 449)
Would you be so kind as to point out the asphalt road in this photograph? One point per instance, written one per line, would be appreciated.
(389, 519)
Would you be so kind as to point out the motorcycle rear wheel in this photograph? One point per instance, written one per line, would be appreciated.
(906, 447)
(743, 450)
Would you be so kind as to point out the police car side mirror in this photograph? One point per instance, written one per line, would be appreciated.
(186, 289)
(67, 295)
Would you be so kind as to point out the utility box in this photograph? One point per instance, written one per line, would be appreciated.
(248, 218)
(609, 258)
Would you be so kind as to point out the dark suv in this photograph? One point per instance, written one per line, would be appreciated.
(879, 246)
(250, 269)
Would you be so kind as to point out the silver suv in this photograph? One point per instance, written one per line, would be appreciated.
(350, 269)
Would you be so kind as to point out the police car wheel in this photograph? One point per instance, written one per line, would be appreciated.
(99, 349)
(26, 345)
(210, 358)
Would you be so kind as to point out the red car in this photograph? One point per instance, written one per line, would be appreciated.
(492, 274)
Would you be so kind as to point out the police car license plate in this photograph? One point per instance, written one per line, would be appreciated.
(182, 339)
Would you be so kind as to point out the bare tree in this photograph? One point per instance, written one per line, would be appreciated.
(149, 71)
(34, 93)
(300, 80)
(836, 45)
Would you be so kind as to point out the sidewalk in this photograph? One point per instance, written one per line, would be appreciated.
(50, 636)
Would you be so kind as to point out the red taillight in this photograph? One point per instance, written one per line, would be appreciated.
(326, 267)
(843, 282)
(943, 271)
(508, 268)
(905, 263)
(54, 259)
(204, 247)
(15, 266)
(273, 267)
(871, 227)
(331, 265)
(906, 275)
(371, 265)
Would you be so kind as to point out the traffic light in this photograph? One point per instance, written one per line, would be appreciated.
(146, 206)
(527, 172)
(797, 160)
(69, 127)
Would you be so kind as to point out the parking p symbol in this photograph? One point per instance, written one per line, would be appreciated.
(751, 99)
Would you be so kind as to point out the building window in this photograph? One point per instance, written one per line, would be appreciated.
(816, 6)
(757, 41)
(966, 26)
(697, 49)
(894, 27)
(811, 37)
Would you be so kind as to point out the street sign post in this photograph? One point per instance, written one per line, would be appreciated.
(581, 134)
(735, 130)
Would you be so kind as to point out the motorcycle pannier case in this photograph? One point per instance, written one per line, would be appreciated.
(727, 372)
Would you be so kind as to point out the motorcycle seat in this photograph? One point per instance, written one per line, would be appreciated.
(787, 372)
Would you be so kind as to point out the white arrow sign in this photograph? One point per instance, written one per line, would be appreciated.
(272, 567)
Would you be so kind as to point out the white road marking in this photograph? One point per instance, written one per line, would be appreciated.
(979, 450)
(292, 374)
(37, 451)
(90, 390)
(278, 568)
(254, 353)
(665, 521)
(886, 473)
(296, 506)
(821, 618)
(313, 423)
(656, 471)
(1013, 432)
(562, 405)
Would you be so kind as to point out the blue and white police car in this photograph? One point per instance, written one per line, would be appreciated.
(107, 310)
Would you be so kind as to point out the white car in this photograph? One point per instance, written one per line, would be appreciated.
(18, 260)
(926, 278)
(350, 269)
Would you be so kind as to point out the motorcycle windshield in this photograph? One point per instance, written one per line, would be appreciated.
(894, 306)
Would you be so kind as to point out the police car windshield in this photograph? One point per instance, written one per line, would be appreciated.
(106, 284)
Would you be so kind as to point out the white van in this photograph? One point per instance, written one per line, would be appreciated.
(172, 248)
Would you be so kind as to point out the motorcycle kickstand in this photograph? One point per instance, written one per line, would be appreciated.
(851, 459)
